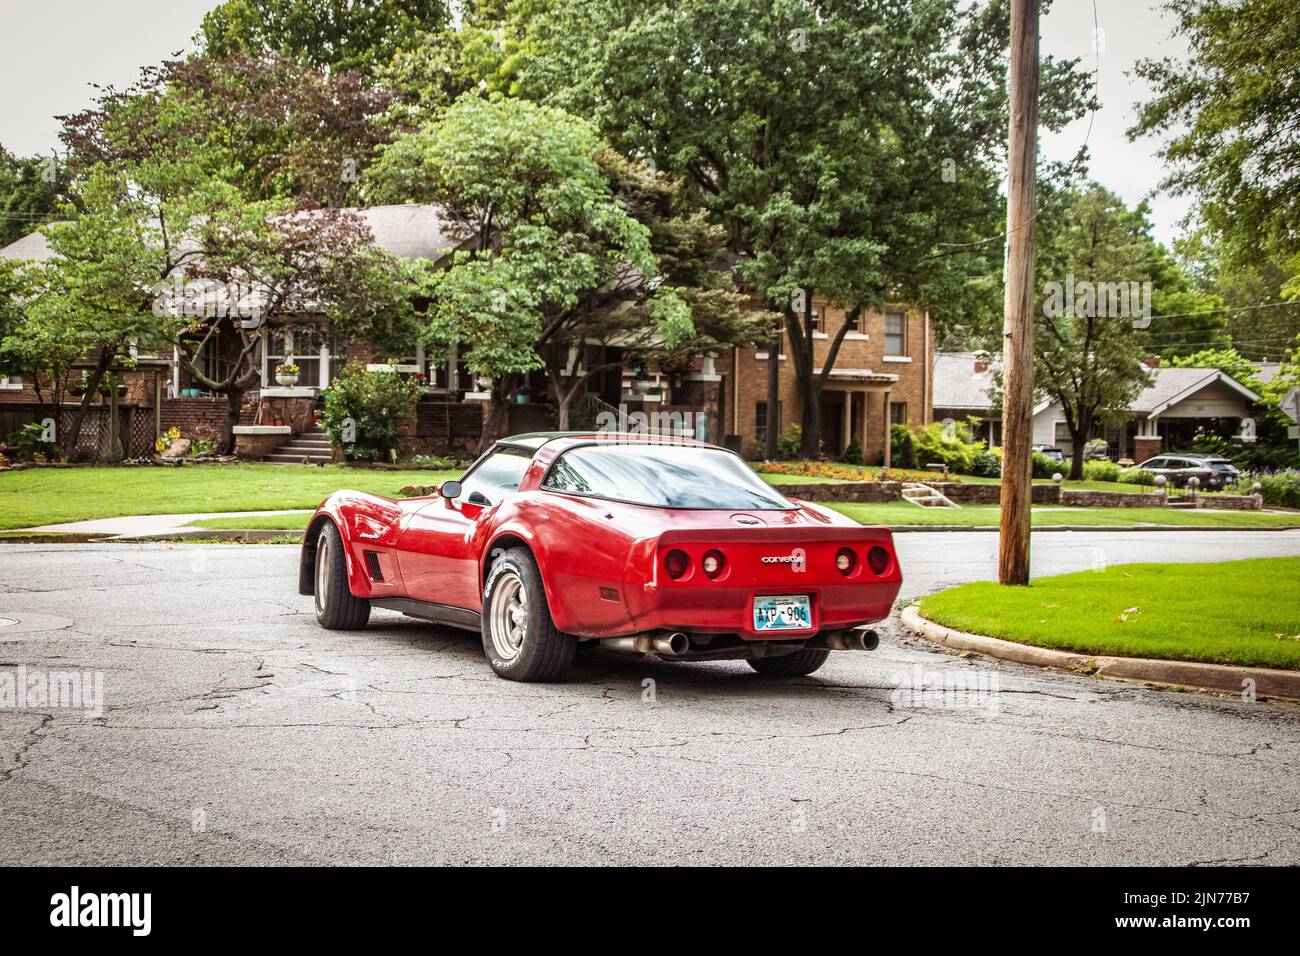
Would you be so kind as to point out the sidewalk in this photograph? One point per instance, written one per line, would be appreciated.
(134, 526)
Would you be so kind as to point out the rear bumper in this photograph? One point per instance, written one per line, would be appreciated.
(719, 609)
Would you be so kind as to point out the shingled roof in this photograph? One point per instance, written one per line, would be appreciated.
(410, 231)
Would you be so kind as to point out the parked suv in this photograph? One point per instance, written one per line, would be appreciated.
(1177, 467)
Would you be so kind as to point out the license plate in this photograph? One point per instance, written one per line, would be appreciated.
(782, 612)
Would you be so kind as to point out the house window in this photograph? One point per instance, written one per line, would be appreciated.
(11, 382)
(898, 413)
(760, 422)
(895, 333)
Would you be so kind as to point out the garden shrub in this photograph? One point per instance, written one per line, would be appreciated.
(1280, 488)
(853, 454)
(902, 447)
(1045, 467)
(1101, 471)
(954, 447)
(986, 465)
(787, 446)
(1137, 476)
(364, 409)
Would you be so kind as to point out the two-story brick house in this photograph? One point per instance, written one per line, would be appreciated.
(881, 376)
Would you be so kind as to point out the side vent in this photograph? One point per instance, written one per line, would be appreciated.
(372, 564)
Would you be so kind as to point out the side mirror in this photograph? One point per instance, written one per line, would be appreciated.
(449, 489)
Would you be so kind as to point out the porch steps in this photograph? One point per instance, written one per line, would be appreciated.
(924, 496)
(312, 447)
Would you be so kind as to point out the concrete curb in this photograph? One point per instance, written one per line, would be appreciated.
(908, 529)
(1221, 678)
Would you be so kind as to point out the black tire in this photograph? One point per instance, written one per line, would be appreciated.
(798, 664)
(336, 606)
(530, 647)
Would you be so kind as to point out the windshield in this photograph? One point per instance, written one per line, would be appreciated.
(664, 476)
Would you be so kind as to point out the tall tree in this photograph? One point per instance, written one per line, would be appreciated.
(847, 147)
(1227, 114)
(270, 265)
(32, 189)
(335, 34)
(545, 237)
(1088, 343)
(260, 121)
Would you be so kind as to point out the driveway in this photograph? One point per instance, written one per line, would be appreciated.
(234, 730)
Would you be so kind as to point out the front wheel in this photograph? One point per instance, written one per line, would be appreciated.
(336, 606)
(798, 664)
(519, 638)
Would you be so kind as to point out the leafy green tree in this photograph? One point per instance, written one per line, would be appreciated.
(93, 298)
(269, 263)
(548, 246)
(31, 191)
(851, 148)
(1226, 113)
(1088, 344)
(335, 34)
(262, 122)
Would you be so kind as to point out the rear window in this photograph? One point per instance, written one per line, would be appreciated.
(663, 476)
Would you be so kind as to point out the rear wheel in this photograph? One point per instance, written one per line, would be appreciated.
(519, 638)
(798, 664)
(336, 606)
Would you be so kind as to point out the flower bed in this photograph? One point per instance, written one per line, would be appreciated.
(823, 469)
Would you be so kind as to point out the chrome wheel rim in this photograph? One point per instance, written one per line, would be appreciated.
(322, 572)
(508, 620)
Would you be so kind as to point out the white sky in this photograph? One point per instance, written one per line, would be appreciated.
(52, 50)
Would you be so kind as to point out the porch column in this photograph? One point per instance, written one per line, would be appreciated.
(324, 366)
(884, 410)
(176, 371)
(846, 429)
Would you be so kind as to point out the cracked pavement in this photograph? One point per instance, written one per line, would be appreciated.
(236, 731)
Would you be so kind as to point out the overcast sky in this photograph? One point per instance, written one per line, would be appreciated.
(52, 50)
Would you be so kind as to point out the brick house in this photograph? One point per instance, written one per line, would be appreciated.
(882, 376)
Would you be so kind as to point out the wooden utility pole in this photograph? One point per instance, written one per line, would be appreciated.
(1018, 321)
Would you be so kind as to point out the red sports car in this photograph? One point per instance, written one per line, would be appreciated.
(652, 545)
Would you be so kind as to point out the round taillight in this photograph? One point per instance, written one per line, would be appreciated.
(713, 563)
(845, 560)
(878, 559)
(676, 562)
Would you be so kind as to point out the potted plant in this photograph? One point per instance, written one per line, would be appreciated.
(286, 373)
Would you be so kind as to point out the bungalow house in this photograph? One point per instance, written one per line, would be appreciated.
(1164, 416)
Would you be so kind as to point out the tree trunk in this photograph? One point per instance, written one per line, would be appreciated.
(1079, 436)
(810, 440)
(772, 422)
(496, 414)
(234, 402)
(69, 442)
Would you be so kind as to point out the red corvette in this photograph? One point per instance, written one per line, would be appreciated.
(652, 545)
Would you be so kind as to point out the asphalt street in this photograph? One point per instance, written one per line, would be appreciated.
(234, 730)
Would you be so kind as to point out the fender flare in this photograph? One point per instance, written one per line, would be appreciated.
(513, 534)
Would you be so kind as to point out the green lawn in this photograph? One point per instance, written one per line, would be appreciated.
(901, 514)
(1233, 612)
(37, 496)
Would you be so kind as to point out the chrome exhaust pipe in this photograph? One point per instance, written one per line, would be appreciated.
(662, 643)
(862, 639)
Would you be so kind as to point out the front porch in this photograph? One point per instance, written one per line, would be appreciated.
(855, 403)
